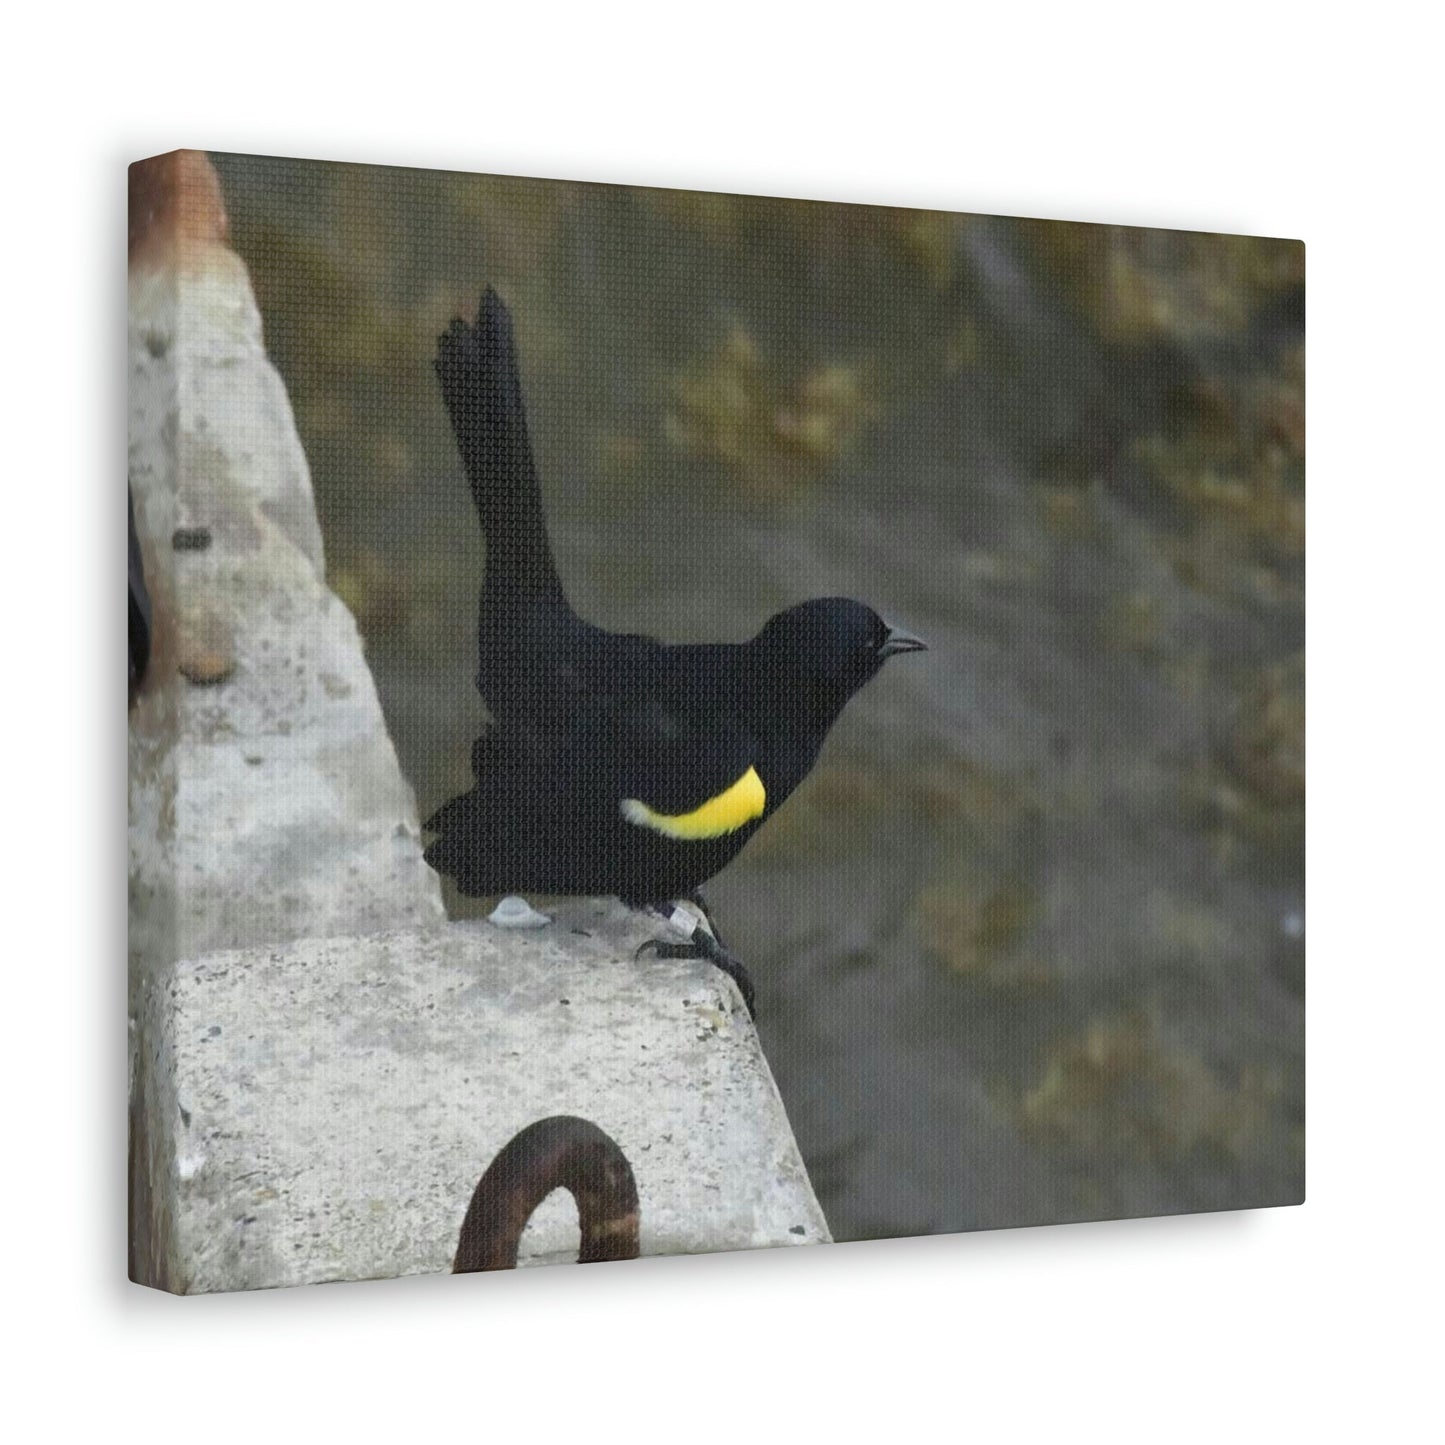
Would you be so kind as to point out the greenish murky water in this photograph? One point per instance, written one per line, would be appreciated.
(1030, 942)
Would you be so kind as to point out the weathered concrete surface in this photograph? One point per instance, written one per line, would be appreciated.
(329, 1106)
(266, 800)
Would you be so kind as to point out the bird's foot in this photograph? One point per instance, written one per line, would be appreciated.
(694, 938)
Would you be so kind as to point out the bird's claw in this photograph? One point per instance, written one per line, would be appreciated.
(702, 944)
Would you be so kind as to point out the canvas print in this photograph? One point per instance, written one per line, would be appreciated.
(664, 722)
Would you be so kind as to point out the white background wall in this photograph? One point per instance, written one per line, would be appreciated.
(1236, 117)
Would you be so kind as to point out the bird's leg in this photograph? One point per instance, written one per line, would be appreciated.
(700, 903)
(694, 940)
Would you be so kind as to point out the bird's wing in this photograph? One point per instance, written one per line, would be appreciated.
(679, 776)
(690, 777)
(635, 728)
(673, 779)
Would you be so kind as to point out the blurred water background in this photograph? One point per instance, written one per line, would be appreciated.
(1030, 941)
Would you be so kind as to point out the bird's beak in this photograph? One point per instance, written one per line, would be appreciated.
(900, 641)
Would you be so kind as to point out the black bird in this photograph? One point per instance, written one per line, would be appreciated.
(139, 603)
(617, 764)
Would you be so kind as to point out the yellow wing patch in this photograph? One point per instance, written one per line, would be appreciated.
(726, 813)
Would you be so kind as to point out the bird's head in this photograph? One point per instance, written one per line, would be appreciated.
(831, 646)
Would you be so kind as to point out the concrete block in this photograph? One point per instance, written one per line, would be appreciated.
(327, 1107)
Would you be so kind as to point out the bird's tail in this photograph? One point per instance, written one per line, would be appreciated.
(477, 368)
